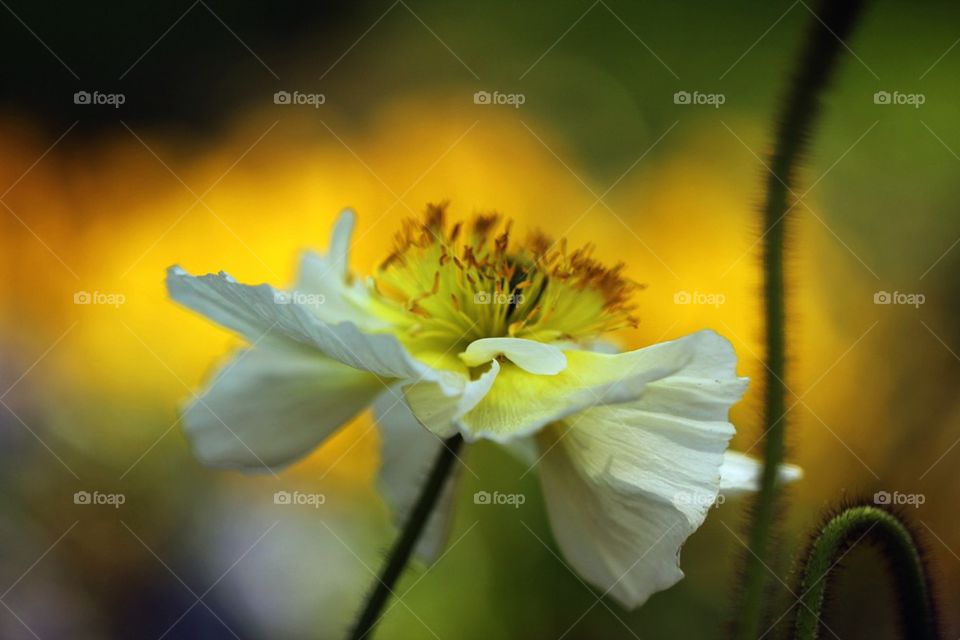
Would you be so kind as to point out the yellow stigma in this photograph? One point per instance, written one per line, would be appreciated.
(450, 284)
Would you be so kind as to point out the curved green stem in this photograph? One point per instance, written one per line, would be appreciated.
(403, 548)
(833, 23)
(917, 614)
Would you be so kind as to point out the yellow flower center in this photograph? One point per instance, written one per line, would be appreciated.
(445, 285)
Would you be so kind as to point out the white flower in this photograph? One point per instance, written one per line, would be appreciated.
(461, 331)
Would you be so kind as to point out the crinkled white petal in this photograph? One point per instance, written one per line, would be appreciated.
(626, 484)
(258, 311)
(272, 404)
(741, 474)
(407, 452)
(531, 356)
(520, 403)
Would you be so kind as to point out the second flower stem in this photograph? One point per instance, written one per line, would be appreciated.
(832, 22)
(412, 529)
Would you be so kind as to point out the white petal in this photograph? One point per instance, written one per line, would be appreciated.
(407, 452)
(531, 356)
(524, 450)
(340, 242)
(440, 412)
(258, 311)
(329, 288)
(740, 473)
(626, 484)
(520, 403)
(273, 404)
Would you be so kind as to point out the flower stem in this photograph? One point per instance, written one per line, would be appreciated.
(403, 548)
(833, 22)
(917, 612)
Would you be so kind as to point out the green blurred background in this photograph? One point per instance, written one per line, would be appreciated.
(199, 166)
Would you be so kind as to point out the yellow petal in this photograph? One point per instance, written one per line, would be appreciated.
(519, 402)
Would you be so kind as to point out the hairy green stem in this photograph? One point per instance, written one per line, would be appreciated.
(917, 612)
(833, 22)
(403, 548)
